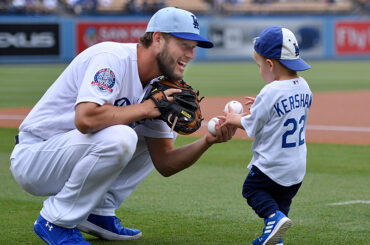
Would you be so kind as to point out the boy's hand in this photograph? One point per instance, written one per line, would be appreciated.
(249, 101)
(231, 118)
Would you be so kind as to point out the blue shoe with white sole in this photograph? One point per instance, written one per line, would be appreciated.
(56, 235)
(108, 228)
(275, 227)
(280, 242)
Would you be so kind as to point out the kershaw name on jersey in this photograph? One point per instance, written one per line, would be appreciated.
(290, 103)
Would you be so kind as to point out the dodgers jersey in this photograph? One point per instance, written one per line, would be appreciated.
(106, 73)
(278, 124)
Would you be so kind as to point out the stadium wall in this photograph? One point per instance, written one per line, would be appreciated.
(41, 39)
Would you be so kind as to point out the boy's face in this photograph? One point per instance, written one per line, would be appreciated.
(265, 67)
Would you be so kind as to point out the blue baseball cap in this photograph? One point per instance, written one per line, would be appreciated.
(179, 23)
(279, 43)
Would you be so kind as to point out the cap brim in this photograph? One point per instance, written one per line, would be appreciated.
(296, 64)
(202, 42)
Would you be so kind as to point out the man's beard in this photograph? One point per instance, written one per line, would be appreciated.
(166, 65)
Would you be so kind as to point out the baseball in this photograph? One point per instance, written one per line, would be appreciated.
(236, 105)
(211, 125)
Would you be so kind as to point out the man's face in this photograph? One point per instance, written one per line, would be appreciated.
(174, 56)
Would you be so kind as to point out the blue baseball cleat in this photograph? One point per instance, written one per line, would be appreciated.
(280, 242)
(108, 228)
(274, 229)
(56, 235)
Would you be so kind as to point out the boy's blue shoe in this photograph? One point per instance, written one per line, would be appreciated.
(56, 235)
(280, 242)
(108, 227)
(274, 229)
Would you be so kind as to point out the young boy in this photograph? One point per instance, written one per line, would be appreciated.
(277, 121)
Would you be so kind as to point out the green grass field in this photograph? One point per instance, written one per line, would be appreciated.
(23, 85)
(203, 204)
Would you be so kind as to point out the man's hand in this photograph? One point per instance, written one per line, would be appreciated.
(150, 106)
(183, 113)
(223, 134)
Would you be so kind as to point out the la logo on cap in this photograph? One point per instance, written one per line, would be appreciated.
(195, 22)
(296, 49)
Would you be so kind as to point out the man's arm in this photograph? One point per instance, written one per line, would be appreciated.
(168, 160)
(91, 117)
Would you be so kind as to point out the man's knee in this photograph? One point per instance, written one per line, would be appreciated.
(119, 140)
(28, 182)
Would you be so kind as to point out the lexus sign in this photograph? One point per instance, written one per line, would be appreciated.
(29, 39)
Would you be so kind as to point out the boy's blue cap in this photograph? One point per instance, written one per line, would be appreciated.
(279, 43)
(179, 23)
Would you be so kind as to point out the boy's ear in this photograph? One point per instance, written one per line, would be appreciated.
(270, 63)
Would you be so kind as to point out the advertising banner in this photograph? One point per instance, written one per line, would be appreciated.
(234, 38)
(352, 37)
(19, 39)
(91, 33)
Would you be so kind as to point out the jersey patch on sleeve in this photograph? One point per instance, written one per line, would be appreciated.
(104, 80)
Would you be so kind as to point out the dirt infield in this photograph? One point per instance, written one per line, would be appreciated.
(337, 117)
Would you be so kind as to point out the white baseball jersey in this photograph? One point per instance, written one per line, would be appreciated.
(278, 122)
(105, 73)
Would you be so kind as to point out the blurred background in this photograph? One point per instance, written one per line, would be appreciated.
(45, 31)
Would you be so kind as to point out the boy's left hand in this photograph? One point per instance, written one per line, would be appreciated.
(249, 101)
(231, 118)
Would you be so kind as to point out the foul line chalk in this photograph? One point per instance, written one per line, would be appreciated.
(12, 117)
(338, 128)
(329, 128)
(349, 203)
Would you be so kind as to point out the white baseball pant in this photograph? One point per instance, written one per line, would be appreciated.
(137, 169)
(80, 172)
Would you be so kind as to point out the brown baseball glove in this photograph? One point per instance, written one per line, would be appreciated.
(183, 114)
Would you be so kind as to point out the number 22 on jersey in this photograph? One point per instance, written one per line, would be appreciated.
(294, 126)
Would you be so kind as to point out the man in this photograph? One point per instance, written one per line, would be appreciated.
(76, 147)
